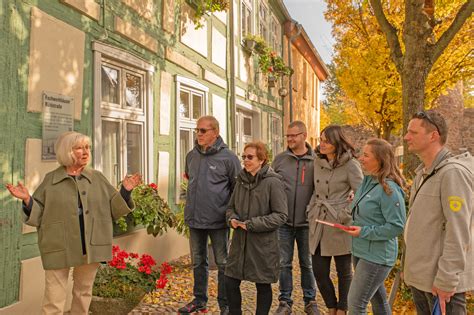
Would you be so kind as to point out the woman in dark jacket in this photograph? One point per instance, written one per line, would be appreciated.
(256, 209)
(337, 174)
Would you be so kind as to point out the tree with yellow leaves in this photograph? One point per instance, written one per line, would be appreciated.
(386, 71)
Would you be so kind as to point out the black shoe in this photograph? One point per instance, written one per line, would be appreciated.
(192, 307)
(225, 310)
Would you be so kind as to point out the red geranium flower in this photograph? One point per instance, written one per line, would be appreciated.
(154, 186)
(161, 282)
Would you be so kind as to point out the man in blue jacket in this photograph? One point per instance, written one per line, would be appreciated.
(296, 166)
(211, 168)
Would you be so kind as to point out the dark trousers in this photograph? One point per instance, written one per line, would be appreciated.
(234, 296)
(219, 240)
(424, 302)
(322, 269)
(288, 236)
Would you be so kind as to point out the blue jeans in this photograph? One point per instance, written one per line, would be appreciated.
(367, 285)
(287, 236)
(424, 302)
(219, 241)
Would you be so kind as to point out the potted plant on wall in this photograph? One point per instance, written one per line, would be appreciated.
(121, 283)
(269, 63)
(203, 7)
(250, 41)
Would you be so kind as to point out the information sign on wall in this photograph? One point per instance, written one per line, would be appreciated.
(58, 117)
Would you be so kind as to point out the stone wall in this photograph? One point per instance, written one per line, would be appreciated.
(467, 131)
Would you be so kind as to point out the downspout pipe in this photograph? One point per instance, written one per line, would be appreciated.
(231, 79)
(290, 83)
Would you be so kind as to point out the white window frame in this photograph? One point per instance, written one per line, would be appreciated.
(188, 124)
(265, 21)
(275, 35)
(245, 109)
(249, 6)
(105, 54)
(276, 134)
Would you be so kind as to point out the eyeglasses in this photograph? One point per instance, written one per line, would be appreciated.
(202, 130)
(248, 157)
(294, 135)
(425, 116)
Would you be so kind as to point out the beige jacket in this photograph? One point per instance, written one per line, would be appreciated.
(54, 213)
(440, 226)
(329, 202)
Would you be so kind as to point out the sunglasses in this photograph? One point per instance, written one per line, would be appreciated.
(248, 157)
(425, 116)
(202, 130)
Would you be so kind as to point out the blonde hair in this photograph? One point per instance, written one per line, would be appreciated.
(383, 153)
(65, 144)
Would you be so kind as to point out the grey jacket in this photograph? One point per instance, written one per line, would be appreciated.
(332, 186)
(297, 174)
(54, 213)
(211, 177)
(440, 227)
(259, 201)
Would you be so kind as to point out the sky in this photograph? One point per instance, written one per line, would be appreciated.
(310, 13)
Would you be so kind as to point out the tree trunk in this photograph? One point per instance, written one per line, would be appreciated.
(413, 97)
(414, 72)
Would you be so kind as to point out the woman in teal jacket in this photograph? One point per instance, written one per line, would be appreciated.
(379, 216)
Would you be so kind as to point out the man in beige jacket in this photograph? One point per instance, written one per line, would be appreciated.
(438, 235)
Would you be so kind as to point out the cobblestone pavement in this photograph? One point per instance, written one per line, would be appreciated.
(179, 291)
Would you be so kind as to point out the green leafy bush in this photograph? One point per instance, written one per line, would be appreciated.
(150, 211)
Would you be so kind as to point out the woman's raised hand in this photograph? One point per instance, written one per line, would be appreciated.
(131, 181)
(19, 191)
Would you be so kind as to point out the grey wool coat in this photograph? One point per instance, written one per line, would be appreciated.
(260, 202)
(332, 186)
(55, 215)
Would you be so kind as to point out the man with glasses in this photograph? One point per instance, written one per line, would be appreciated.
(439, 256)
(211, 168)
(296, 165)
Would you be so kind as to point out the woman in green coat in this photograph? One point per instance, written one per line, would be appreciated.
(73, 210)
(256, 210)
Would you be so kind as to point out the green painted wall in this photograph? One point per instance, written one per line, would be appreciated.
(16, 125)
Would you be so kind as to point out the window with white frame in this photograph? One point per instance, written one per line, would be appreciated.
(275, 36)
(246, 17)
(123, 110)
(276, 141)
(263, 21)
(245, 129)
(191, 104)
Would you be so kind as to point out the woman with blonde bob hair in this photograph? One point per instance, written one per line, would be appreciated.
(378, 212)
(73, 209)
